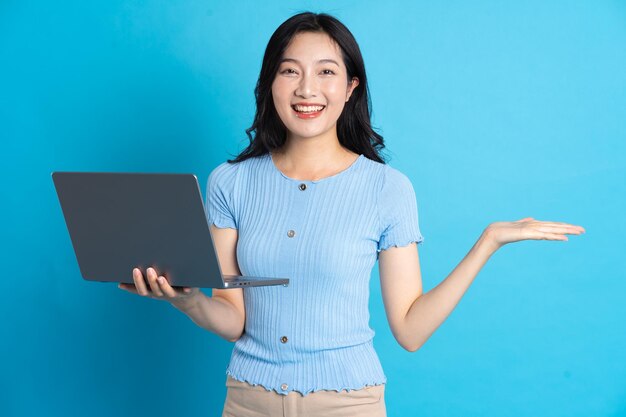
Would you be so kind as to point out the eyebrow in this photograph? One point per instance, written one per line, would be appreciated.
(321, 61)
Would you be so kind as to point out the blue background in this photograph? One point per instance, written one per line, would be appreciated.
(495, 110)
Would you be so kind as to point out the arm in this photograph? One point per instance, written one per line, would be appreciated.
(224, 312)
(413, 316)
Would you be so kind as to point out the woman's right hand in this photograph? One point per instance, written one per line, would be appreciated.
(157, 287)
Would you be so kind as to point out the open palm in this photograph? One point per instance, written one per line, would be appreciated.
(528, 228)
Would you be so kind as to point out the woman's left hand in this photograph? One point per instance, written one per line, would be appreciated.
(501, 233)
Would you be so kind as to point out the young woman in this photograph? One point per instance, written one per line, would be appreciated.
(311, 199)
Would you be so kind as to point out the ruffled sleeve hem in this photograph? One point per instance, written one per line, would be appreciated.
(399, 244)
(223, 222)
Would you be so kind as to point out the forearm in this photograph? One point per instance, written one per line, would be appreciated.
(430, 309)
(213, 314)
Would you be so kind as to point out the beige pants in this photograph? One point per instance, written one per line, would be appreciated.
(245, 400)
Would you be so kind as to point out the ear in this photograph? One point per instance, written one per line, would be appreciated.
(351, 86)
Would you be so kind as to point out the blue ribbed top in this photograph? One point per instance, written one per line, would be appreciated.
(325, 237)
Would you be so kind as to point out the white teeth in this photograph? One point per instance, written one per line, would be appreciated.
(307, 109)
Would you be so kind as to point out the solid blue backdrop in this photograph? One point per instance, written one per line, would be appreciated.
(495, 112)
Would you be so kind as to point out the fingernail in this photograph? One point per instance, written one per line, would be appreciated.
(161, 280)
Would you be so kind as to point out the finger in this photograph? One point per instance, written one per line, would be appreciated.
(140, 282)
(556, 236)
(576, 229)
(186, 290)
(549, 236)
(570, 230)
(154, 285)
(525, 219)
(166, 288)
(127, 287)
(562, 224)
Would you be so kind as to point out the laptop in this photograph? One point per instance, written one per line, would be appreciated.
(119, 221)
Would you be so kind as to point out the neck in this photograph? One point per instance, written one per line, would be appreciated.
(313, 157)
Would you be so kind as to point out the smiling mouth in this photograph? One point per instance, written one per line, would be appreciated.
(308, 109)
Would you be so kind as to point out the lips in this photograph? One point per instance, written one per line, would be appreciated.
(307, 110)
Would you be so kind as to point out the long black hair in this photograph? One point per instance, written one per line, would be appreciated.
(354, 128)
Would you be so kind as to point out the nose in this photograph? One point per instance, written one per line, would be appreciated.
(307, 86)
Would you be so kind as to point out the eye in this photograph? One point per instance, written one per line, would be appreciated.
(288, 71)
(328, 72)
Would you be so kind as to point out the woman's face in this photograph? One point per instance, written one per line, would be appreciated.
(311, 86)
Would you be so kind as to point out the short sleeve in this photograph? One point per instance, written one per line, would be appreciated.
(397, 207)
(219, 196)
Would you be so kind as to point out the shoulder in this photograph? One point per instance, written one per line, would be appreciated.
(222, 178)
(227, 172)
(396, 181)
(388, 178)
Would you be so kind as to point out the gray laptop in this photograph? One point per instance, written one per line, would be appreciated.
(119, 221)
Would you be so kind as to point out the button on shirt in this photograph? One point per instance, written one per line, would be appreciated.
(324, 236)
